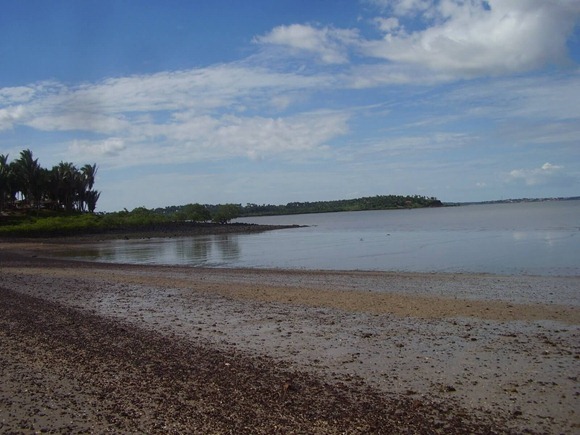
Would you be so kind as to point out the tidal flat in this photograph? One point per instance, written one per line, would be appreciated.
(107, 347)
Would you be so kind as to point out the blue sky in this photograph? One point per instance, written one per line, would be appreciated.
(289, 100)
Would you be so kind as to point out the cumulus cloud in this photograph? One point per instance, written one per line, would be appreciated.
(545, 174)
(470, 38)
(329, 44)
(428, 41)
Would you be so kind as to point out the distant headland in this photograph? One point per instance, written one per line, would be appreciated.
(378, 202)
(513, 201)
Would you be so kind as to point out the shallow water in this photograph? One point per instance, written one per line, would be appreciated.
(540, 238)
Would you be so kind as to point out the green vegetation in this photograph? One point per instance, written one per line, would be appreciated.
(193, 213)
(47, 223)
(50, 225)
(226, 213)
(35, 201)
(380, 202)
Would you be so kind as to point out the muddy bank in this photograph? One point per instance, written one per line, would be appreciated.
(312, 351)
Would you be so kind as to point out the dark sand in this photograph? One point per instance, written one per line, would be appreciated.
(146, 349)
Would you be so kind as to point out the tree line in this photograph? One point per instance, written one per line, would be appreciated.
(220, 212)
(25, 184)
(379, 202)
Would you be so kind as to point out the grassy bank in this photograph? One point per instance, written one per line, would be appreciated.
(44, 224)
(114, 225)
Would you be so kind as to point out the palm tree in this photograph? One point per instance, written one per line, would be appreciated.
(89, 173)
(4, 179)
(67, 177)
(14, 185)
(91, 198)
(86, 180)
(63, 187)
(30, 177)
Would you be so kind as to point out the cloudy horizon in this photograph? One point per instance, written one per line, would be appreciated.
(274, 102)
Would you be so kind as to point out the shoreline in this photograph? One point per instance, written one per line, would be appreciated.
(397, 293)
(510, 364)
(539, 290)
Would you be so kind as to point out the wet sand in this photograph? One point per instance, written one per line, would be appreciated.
(102, 347)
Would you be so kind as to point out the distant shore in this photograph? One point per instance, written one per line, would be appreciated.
(96, 347)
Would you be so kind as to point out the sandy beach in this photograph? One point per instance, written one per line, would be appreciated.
(95, 348)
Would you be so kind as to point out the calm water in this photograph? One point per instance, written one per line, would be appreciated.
(526, 238)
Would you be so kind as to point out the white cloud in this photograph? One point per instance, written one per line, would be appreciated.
(282, 102)
(545, 174)
(542, 133)
(224, 111)
(416, 146)
(10, 116)
(375, 76)
(205, 138)
(16, 94)
(329, 44)
(257, 137)
(525, 110)
(201, 89)
(471, 38)
(283, 109)
(387, 25)
(110, 147)
(427, 41)
(79, 121)
(550, 167)
(106, 106)
(260, 137)
(403, 7)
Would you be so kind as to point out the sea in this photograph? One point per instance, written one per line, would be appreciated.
(522, 238)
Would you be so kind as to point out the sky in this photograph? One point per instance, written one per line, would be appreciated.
(276, 101)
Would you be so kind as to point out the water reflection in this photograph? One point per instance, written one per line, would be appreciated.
(192, 250)
(520, 239)
(228, 246)
(519, 235)
(195, 251)
(546, 238)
